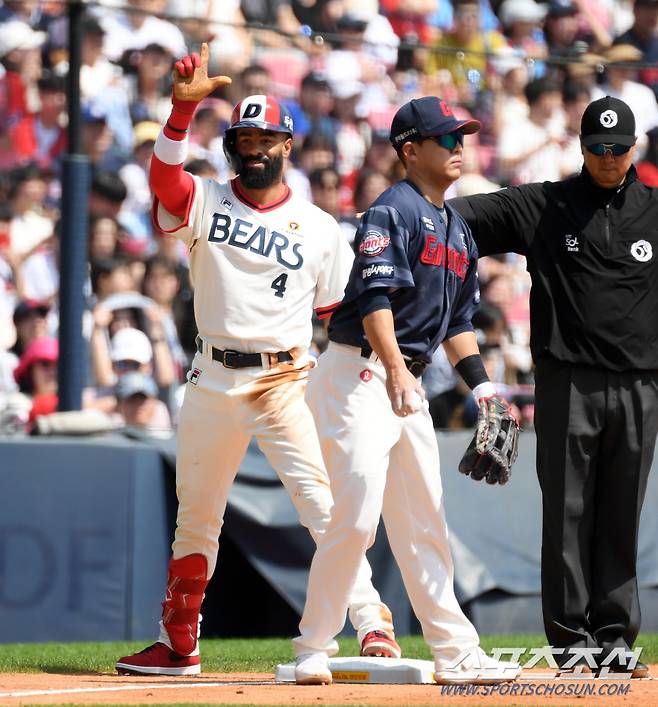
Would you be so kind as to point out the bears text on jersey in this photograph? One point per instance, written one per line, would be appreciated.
(257, 239)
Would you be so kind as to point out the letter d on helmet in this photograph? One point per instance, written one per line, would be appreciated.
(258, 111)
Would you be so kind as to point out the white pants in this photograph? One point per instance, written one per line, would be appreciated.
(378, 462)
(220, 414)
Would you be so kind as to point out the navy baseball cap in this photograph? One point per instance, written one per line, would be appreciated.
(608, 120)
(426, 117)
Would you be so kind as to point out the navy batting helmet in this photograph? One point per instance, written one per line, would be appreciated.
(258, 111)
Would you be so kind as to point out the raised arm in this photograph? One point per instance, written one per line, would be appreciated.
(169, 182)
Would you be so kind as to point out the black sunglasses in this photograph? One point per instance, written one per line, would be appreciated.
(449, 141)
(600, 148)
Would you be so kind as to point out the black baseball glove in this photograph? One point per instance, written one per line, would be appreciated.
(494, 446)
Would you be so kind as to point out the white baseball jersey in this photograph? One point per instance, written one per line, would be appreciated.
(259, 273)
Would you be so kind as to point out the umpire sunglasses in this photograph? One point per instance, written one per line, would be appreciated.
(449, 141)
(600, 148)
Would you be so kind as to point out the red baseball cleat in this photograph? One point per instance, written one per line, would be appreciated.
(159, 659)
(380, 644)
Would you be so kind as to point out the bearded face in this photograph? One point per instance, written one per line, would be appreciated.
(260, 172)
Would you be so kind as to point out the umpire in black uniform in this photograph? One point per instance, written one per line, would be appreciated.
(591, 243)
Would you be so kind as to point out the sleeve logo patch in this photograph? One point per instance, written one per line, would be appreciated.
(374, 243)
(377, 271)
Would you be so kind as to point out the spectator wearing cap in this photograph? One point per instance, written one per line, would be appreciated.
(31, 322)
(643, 35)
(118, 347)
(138, 405)
(98, 139)
(468, 68)
(561, 29)
(41, 137)
(522, 22)
(97, 73)
(131, 352)
(20, 66)
(36, 375)
(529, 150)
(575, 26)
(619, 82)
(132, 346)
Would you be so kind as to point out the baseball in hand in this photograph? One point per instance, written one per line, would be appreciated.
(415, 401)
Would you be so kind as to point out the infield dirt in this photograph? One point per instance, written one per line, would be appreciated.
(260, 689)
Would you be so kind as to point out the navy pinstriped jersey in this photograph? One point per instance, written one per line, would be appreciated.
(431, 272)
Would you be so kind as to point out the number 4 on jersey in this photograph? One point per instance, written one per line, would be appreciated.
(279, 285)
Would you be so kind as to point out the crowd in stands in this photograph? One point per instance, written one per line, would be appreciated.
(526, 69)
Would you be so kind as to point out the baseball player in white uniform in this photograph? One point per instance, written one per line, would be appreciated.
(413, 286)
(261, 260)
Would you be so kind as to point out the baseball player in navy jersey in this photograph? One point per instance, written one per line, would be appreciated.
(261, 261)
(412, 287)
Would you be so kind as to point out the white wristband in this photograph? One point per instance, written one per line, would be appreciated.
(484, 390)
(170, 151)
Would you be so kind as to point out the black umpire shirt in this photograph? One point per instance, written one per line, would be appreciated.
(592, 254)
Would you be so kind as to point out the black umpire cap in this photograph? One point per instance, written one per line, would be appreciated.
(608, 120)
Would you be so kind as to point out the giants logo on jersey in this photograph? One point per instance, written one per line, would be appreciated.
(438, 254)
(373, 243)
(244, 234)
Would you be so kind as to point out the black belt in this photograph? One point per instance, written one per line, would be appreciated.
(414, 366)
(236, 359)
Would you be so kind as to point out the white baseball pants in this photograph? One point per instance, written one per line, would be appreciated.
(378, 462)
(220, 414)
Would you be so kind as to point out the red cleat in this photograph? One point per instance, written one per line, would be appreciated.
(159, 659)
(380, 644)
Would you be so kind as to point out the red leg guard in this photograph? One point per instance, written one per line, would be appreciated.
(186, 584)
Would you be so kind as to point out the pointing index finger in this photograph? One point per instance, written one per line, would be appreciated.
(204, 55)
